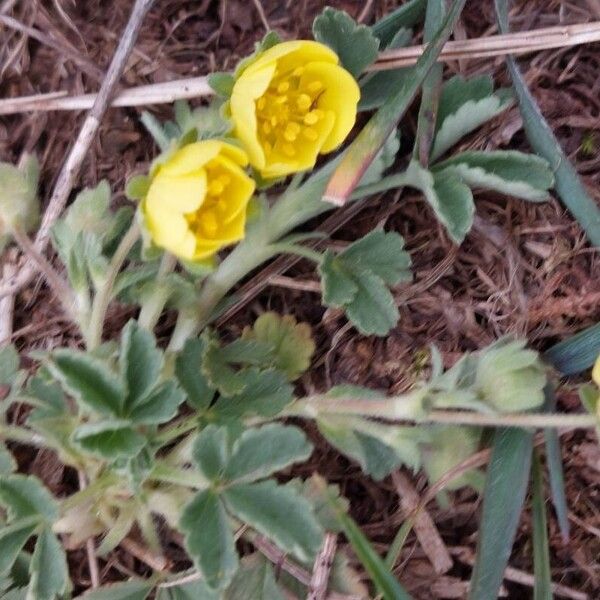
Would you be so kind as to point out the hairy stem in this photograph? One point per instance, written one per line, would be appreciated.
(152, 308)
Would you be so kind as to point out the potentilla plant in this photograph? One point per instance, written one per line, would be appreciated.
(183, 444)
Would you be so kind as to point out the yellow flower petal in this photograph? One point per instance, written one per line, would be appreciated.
(190, 158)
(341, 95)
(238, 193)
(596, 372)
(242, 107)
(289, 55)
(170, 230)
(181, 194)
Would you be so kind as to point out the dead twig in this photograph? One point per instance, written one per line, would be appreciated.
(89, 545)
(72, 166)
(322, 569)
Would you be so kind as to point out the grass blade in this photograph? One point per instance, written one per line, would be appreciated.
(542, 589)
(568, 183)
(504, 494)
(576, 353)
(385, 582)
(369, 141)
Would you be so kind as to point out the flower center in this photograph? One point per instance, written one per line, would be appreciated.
(206, 221)
(288, 110)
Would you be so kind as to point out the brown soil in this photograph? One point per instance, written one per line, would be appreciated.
(524, 269)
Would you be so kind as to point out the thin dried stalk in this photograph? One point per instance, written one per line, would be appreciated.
(322, 570)
(72, 166)
(494, 45)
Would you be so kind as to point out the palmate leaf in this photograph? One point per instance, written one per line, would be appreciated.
(254, 579)
(188, 371)
(405, 16)
(279, 513)
(211, 451)
(25, 496)
(135, 589)
(110, 439)
(208, 538)
(355, 45)
(12, 539)
(290, 342)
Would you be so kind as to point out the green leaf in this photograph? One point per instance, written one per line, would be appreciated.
(12, 539)
(382, 253)
(279, 513)
(49, 396)
(48, 568)
(409, 14)
(355, 45)
(9, 364)
(211, 451)
(159, 406)
(266, 394)
(188, 371)
(137, 187)
(568, 183)
(109, 439)
(25, 496)
(363, 150)
(221, 83)
(383, 161)
(509, 172)
(504, 494)
(465, 105)
(259, 452)
(577, 353)
(140, 362)
(355, 280)
(7, 462)
(219, 372)
(450, 198)
(208, 539)
(291, 342)
(381, 576)
(134, 589)
(89, 380)
(510, 377)
(155, 128)
(254, 579)
(542, 589)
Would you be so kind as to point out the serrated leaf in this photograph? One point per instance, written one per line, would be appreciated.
(254, 579)
(25, 496)
(338, 287)
(355, 45)
(525, 176)
(464, 106)
(48, 568)
(49, 396)
(211, 452)
(159, 406)
(109, 439)
(279, 513)
(247, 352)
(135, 589)
(221, 83)
(260, 452)
(382, 253)
(266, 394)
(291, 342)
(219, 372)
(12, 539)
(506, 483)
(208, 539)
(140, 362)
(450, 198)
(188, 371)
(89, 381)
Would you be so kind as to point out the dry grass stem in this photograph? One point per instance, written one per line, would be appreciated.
(486, 47)
(322, 569)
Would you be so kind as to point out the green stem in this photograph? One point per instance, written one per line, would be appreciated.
(184, 477)
(15, 433)
(152, 308)
(92, 491)
(104, 294)
(176, 430)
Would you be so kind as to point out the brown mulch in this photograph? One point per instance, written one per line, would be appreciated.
(525, 268)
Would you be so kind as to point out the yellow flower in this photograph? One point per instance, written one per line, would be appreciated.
(291, 104)
(596, 372)
(197, 199)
